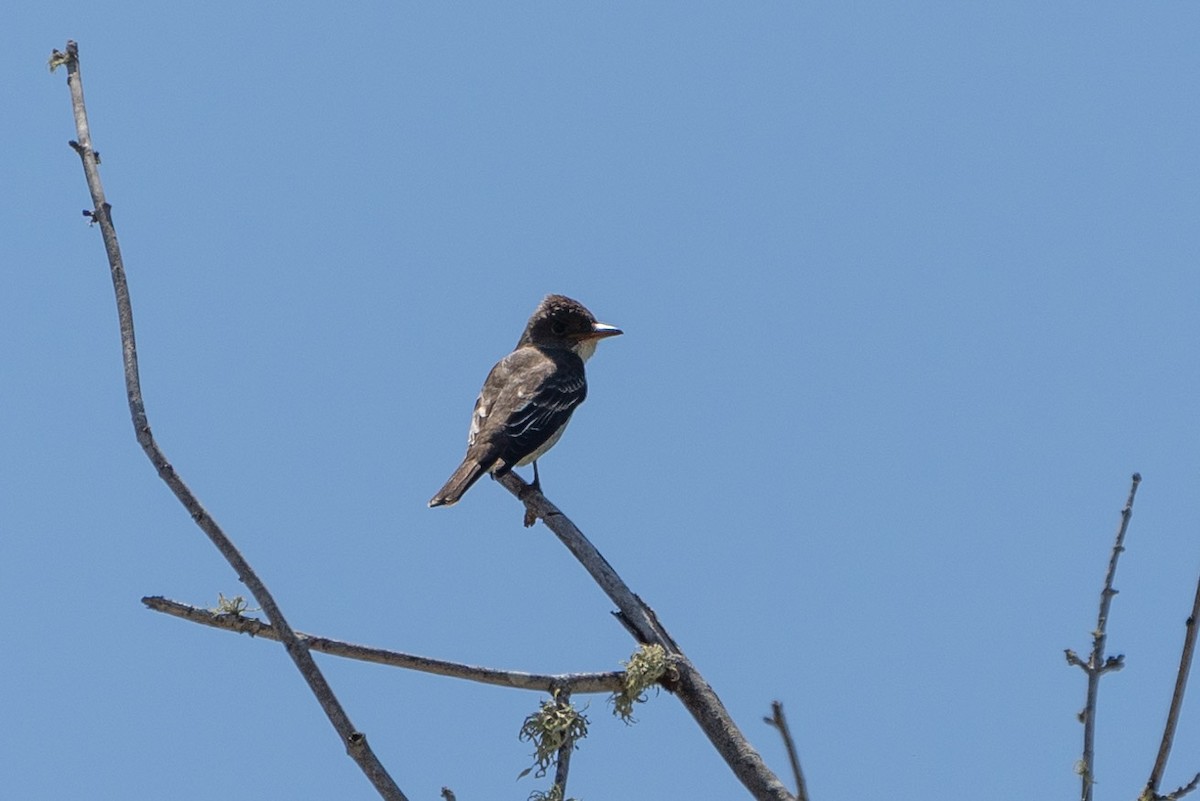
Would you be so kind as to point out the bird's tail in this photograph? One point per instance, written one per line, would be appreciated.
(467, 474)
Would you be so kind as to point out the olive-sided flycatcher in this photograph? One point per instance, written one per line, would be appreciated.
(528, 397)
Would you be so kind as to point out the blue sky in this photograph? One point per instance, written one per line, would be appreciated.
(909, 291)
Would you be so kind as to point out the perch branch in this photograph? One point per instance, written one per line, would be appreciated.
(354, 741)
(694, 692)
(575, 682)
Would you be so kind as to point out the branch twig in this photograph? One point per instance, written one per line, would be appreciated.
(101, 213)
(606, 682)
(562, 763)
(1168, 738)
(693, 691)
(778, 720)
(1097, 664)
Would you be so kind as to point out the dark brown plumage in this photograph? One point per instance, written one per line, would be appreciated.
(529, 396)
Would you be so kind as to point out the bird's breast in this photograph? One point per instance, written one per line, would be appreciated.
(545, 446)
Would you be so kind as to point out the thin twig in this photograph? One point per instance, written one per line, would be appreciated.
(1180, 792)
(778, 720)
(693, 691)
(607, 682)
(1168, 738)
(353, 740)
(563, 760)
(1097, 664)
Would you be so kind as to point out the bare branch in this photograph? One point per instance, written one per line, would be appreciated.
(610, 681)
(1097, 665)
(1180, 792)
(562, 767)
(1181, 677)
(778, 720)
(693, 691)
(354, 741)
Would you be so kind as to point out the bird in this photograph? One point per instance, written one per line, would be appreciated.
(529, 395)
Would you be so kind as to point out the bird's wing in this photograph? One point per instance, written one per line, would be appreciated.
(527, 398)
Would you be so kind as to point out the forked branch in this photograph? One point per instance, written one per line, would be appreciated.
(695, 693)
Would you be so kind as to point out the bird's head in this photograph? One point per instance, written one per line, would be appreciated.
(559, 322)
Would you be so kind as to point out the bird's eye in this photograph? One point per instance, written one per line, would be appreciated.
(558, 327)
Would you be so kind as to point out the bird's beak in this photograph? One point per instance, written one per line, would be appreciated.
(602, 330)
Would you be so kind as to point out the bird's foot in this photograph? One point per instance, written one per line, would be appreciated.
(530, 489)
(533, 486)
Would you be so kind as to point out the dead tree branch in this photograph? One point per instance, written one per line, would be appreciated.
(693, 691)
(606, 682)
(778, 720)
(354, 741)
(562, 761)
(1097, 664)
(1168, 738)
